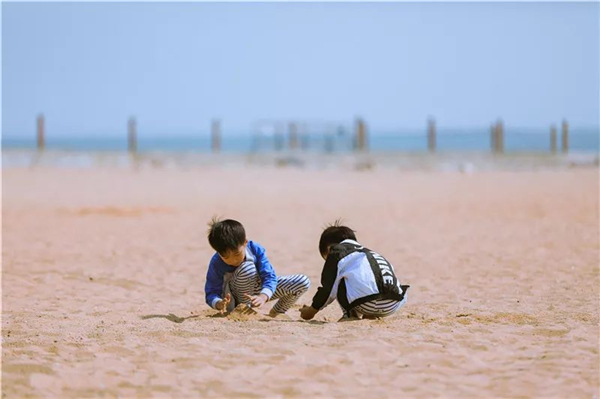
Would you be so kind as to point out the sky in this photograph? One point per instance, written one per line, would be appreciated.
(175, 66)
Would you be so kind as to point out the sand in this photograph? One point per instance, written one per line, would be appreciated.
(104, 269)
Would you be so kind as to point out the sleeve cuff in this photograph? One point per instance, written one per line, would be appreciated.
(267, 292)
(214, 302)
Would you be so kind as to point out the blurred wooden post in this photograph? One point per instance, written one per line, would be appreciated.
(293, 131)
(361, 135)
(431, 133)
(216, 135)
(41, 142)
(499, 136)
(132, 135)
(565, 136)
(553, 139)
(493, 140)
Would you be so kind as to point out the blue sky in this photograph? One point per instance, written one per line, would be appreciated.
(89, 66)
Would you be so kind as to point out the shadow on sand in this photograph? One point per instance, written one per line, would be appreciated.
(314, 322)
(176, 319)
(170, 317)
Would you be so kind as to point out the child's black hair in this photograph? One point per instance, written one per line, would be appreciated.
(226, 235)
(334, 234)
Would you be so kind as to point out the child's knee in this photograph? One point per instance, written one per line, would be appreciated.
(244, 278)
(304, 284)
(245, 270)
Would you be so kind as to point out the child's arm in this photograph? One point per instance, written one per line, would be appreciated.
(325, 294)
(265, 270)
(213, 288)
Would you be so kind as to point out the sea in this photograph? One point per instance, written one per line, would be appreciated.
(413, 141)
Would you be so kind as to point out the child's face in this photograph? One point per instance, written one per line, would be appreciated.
(235, 258)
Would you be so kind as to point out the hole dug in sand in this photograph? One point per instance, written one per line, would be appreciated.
(243, 312)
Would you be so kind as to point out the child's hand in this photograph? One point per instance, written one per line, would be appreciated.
(222, 304)
(308, 312)
(257, 300)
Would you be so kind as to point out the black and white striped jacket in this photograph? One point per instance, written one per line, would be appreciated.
(354, 275)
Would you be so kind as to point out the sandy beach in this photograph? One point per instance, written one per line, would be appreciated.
(104, 270)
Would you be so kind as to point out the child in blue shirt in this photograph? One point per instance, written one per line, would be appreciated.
(240, 272)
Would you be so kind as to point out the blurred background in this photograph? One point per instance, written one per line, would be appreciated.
(313, 77)
(126, 127)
